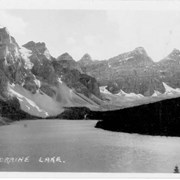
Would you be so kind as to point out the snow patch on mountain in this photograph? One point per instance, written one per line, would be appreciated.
(47, 54)
(42, 105)
(127, 58)
(156, 93)
(132, 95)
(109, 65)
(104, 90)
(38, 83)
(60, 81)
(121, 93)
(25, 53)
(38, 104)
(16, 52)
(169, 90)
(27, 104)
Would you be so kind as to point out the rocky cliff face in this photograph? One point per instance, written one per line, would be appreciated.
(12, 66)
(13, 70)
(169, 69)
(49, 69)
(42, 68)
(71, 73)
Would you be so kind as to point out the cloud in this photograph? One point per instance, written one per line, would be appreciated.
(16, 25)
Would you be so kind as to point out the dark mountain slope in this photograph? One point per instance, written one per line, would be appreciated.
(158, 118)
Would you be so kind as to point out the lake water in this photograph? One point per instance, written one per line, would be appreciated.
(83, 148)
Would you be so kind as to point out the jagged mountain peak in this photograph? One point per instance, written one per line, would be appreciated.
(9, 49)
(31, 45)
(140, 50)
(173, 56)
(65, 56)
(4, 30)
(5, 37)
(38, 48)
(67, 62)
(175, 52)
(138, 55)
(86, 57)
(85, 60)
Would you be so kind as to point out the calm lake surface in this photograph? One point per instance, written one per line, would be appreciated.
(83, 148)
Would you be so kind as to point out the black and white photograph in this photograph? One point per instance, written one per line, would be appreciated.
(90, 87)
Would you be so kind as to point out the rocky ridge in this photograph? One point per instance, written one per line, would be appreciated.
(135, 72)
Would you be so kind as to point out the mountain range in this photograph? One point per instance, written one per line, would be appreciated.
(134, 72)
(40, 84)
(34, 84)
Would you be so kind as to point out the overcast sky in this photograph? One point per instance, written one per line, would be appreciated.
(101, 33)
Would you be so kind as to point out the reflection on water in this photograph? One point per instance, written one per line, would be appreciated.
(76, 146)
